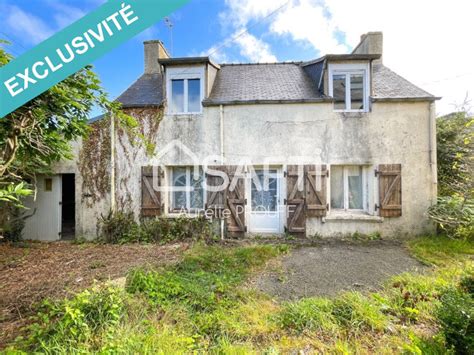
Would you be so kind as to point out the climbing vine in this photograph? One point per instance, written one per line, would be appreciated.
(134, 147)
(95, 154)
(94, 162)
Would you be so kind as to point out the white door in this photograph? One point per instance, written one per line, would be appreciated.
(46, 221)
(265, 202)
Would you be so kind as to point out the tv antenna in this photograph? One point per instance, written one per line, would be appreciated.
(170, 25)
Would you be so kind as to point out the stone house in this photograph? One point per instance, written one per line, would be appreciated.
(336, 145)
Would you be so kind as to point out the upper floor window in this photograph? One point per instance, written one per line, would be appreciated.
(185, 90)
(348, 85)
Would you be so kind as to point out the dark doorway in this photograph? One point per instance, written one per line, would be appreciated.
(68, 207)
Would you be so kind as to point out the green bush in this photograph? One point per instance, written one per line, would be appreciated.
(118, 227)
(74, 325)
(454, 215)
(121, 227)
(164, 230)
(456, 316)
(467, 284)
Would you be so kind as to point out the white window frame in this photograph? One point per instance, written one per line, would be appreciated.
(365, 189)
(348, 69)
(184, 73)
(189, 175)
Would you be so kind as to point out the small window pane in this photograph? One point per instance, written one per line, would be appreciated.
(339, 91)
(337, 187)
(179, 181)
(48, 184)
(355, 198)
(357, 92)
(194, 95)
(177, 99)
(264, 193)
(197, 193)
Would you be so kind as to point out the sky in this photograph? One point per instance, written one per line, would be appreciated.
(429, 42)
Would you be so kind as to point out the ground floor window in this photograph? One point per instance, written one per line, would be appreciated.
(187, 189)
(348, 188)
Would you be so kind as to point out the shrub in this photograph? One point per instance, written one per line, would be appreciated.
(467, 284)
(75, 323)
(163, 230)
(118, 227)
(456, 316)
(121, 227)
(454, 215)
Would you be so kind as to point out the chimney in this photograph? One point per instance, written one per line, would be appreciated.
(370, 43)
(154, 50)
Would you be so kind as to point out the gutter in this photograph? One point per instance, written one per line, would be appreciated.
(208, 103)
(405, 99)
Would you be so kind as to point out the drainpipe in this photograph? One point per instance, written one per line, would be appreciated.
(433, 151)
(221, 111)
(221, 126)
(112, 162)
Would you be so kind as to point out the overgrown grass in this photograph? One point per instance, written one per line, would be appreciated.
(441, 250)
(202, 305)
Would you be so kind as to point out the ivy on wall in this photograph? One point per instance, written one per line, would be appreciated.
(94, 157)
(94, 162)
(134, 147)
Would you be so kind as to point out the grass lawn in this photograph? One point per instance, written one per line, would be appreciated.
(202, 304)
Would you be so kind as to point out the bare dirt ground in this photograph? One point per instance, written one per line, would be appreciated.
(31, 272)
(328, 269)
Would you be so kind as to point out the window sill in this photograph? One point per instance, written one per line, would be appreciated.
(184, 114)
(351, 216)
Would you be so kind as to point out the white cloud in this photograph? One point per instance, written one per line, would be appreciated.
(64, 14)
(25, 25)
(253, 48)
(217, 53)
(306, 21)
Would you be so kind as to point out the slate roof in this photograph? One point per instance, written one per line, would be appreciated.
(389, 85)
(254, 83)
(272, 83)
(145, 92)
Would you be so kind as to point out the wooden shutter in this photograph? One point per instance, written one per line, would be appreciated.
(151, 199)
(390, 190)
(216, 200)
(236, 202)
(315, 187)
(296, 220)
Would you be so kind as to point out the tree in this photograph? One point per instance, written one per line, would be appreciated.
(39, 133)
(455, 135)
(454, 211)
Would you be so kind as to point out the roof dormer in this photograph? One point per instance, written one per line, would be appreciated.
(188, 81)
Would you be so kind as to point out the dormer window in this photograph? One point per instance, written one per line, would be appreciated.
(185, 88)
(348, 85)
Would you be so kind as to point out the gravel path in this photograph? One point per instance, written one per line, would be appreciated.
(329, 269)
